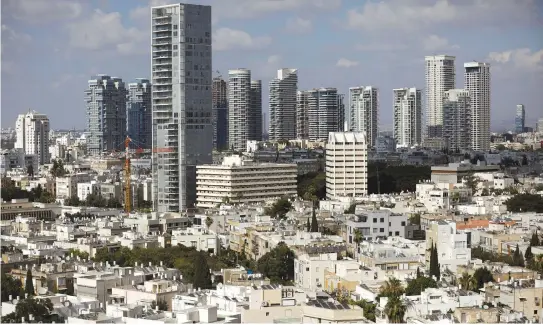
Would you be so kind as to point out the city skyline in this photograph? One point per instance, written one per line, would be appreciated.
(383, 53)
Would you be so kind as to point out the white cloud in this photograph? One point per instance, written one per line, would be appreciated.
(381, 47)
(143, 13)
(240, 9)
(274, 59)
(8, 34)
(523, 58)
(298, 25)
(345, 63)
(436, 43)
(225, 39)
(42, 11)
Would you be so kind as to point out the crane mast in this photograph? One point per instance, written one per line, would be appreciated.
(127, 187)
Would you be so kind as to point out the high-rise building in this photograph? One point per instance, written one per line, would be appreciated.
(139, 115)
(440, 77)
(407, 117)
(220, 114)
(283, 91)
(323, 113)
(302, 115)
(457, 119)
(520, 119)
(239, 108)
(346, 165)
(32, 135)
(182, 102)
(364, 105)
(255, 112)
(477, 82)
(342, 124)
(539, 126)
(105, 99)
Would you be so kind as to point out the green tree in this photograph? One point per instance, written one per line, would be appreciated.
(416, 286)
(419, 273)
(72, 201)
(471, 182)
(500, 147)
(278, 264)
(467, 282)
(351, 209)
(534, 241)
(434, 262)
(29, 284)
(161, 304)
(209, 221)
(30, 170)
(11, 287)
(395, 310)
(368, 308)
(202, 275)
(308, 225)
(415, 219)
(525, 203)
(392, 287)
(482, 276)
(58, 170)
(279, 209)
(528, 255)
(41, 311)
(517, 257)
(357, 239)
(314, 222)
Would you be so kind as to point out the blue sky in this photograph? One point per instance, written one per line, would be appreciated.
(50, 48)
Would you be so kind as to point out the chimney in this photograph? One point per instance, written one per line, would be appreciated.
(136, 264)
(133, 282)
(156, 307)
(26, 295)
(10, 298)
(150, 263)
(18, 298)
(160, 263)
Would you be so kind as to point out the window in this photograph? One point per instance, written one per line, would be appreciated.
(307, 269)
(403, 223)
(382, 230)
(397, 233)
(382, 220)
(267, 313)
(375, 220)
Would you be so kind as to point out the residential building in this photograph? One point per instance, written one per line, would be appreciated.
(520, 119)
(139, 117)
(323, 113)
(453, 247)
(67, 185)
(239, 108)
(198, 237)
(331, 312)
(182, 102)
(407, 117)
(346, 165)
(455, 172)
(283, 105)
(302, 115)
(17, 158)
(385, 144)
(105, 100)
(255, 116)
(239, 181)
(457, 119)
(374, 224)
(220, 114)
(364, 106)
(309, 269)
(32, 135)
(273, 303)
(440, 77)
(342, 120)
(477, 82)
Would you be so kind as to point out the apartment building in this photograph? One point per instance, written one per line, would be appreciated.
(11, 159)
(407, 117)
(32, 135)
(309, 269)
(302, 115)
(453, 247)
(283, 105)
(455, 172)
(374, 224)
(198, 237)
(457, 119)
(139, 116)
(67, 185)
(272, 303)
(477, 82)
(239, 181)
(520, 119)
(323, 113)
(220, 113)
(440, 77)
(364, 108)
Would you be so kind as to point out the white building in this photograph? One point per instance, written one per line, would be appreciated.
(242, 109)
(374, 224)
(88, 188)
(283, 105)
(309, 270)
(17, 158)
(407, 117)
(364, 105)
(346, 165)
(197, 237)
(457, 119)
(453, 247)
(440, 77)
(67, 186)
(477, 82)
(242, 181)
(32, 131)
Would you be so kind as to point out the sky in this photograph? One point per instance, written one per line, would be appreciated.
(50, 48)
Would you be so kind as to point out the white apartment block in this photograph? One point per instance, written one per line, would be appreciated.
(85, 189)
(440, 77)
(309, 270)
(240, 181)
(198, 237)
(302, 115)
(181, 102)
(323, 113)
(407, 117)
(453, 247)
(239, 108)
(374, 224)
(67, 186)
(17, 158)
(32, 132)
(457, 119)
(364, 106)
(346, 165)
(283, 105)
(477, 82)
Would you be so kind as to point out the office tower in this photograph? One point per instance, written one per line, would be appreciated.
(139, 115)
(239, 108)
(407, 117)
(520, 119)
(440, 77)
(342, 124)
(283, 105)
(182, 102)
(302, 115)
(364, 104)
(105, 99)
(457, 119)
(477, 82)
(220, 114)
(346, 165)
(539, 126)
(255, 112)
(32, 135)
(322, 113)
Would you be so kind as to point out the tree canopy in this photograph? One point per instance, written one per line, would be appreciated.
(57, 169)
(278, 264)
(40, 310)
(314, 222)
(279, 209)
(202, 275)
(482, 276)
(525, 203)
(11, 286)
(29, 283)
(434, 263)
(421, 283)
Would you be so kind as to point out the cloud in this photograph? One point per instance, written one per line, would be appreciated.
(523, 58)
(41, 11)
(274, 59)
(225, 39)
(345, 63)
(436, 43)
(245, 9)
(143, 13)
(8, 34)
(381, 47)
(298, 25)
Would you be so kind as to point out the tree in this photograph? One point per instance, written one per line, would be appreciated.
(415, 219)
(29, 284)
(517, 257)
(314, 222)
(467, 282)
(500, 147)
(11, 287)
(30, 170)
(419, 273)
(434, 262)
(202, 275)
(58, 170)
(308, 225)
(357, 239)
(524, 160)
(279, 209)
(471, 182)
(351, 209)
(482, 276)
(485, 192)
(534, 241)
(525, 203)
(278, 264)
(209, 222)
(392, 287)
(41, 311)
(161, 304)
(421, 283)
(395, 310)
(72, 201)
(528, 255)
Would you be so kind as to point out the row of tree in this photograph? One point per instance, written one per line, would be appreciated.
(37, 194)
(525, 203)
(94, 200)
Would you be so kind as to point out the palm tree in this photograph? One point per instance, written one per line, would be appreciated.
(467, 282)
(395, 310)
(357, 239)
(392, 288)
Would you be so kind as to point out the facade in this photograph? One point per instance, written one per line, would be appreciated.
(408, 117)
(220, 114)
(239, 108)
(364, 105)
(105, 99)
(453, 247)
(17, 158)
(323, 113)
(182, 102)
(32, 132)
(283, 105)
(520, 119)
(342, 120)
(346, 165)
(139, 117)
(241, 181)
(302, 115)
(374, 224)
(255, 116)
(477, 82)
(440, 77)
(457, 119)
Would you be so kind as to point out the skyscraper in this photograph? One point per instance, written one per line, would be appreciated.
(364, 105)
(342, 124)
(283, 105)
(440, 77)
(32, 135)
(139, 115)
(477, 82)
(520, 119)
(105, 99)
(457, 119)
(220, 114)
(239, 108)
(302, 115)
(255, 112)
(323, 113)
(182, 102)
(407, 117)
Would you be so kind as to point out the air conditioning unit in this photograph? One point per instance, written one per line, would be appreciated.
(265, 304)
